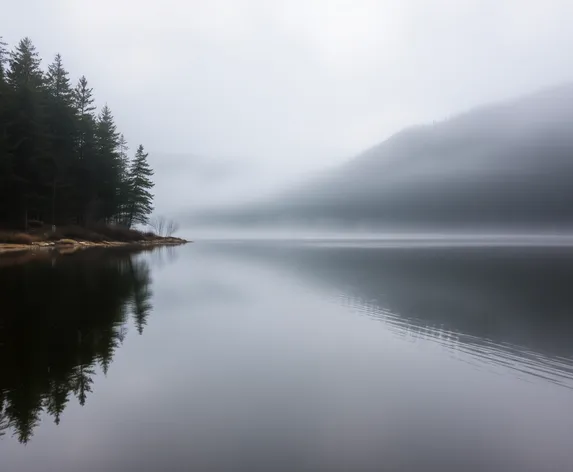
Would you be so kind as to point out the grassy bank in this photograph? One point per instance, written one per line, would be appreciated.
(78, 237)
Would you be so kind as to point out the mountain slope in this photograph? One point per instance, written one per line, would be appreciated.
(507, 164)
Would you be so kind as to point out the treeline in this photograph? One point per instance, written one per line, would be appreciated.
(49, 354)
(61, 161)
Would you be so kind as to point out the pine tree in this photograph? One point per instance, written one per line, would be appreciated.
(26, 132)
(63, 127)
(108, 168)
(24, 68)
(58, 161)
(83, 102)
(58, 82)
(5, 157)
(86, 152)
(124, 187)
(141, 199)
(83, 98)
(123, 157)
(3, 60)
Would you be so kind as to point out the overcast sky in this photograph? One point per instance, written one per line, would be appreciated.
(290, 84)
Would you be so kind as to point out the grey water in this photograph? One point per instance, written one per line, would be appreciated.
(309, 355)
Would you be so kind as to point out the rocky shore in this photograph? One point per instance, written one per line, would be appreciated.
(71, 245)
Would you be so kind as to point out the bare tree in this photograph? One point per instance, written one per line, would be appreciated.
(163, 226)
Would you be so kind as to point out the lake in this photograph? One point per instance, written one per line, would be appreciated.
(315, 355)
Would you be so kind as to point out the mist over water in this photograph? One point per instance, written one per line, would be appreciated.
(344, 236)
(499, 169)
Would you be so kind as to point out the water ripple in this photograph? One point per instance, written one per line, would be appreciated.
(500, 358)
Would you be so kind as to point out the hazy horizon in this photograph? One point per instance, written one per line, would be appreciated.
(276, 91)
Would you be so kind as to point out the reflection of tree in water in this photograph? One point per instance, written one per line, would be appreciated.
(59, 321)
(4, 422)
(163, 255)
(141, 297)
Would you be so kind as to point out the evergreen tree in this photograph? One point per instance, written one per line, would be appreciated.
(86, 152)
(141, 199)
(59, 162)
(58, 82)
(26, 132)
(5, 157)
(83, 98)
(123, 157)
(24, 68)
(3, 60)
(108, 166)
(124, 187)
(62, 128)
(108, 137)
(83, 102)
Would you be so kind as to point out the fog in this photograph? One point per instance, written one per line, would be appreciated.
(190, 183)
(501, 168)
(235, 99)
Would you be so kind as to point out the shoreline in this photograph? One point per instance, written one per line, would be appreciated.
(72, 245)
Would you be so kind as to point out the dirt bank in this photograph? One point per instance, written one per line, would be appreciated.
(71, 245)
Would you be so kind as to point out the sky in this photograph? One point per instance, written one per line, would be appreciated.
(234, 97)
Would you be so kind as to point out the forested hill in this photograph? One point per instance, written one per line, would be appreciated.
(508, 164)
(62, 161)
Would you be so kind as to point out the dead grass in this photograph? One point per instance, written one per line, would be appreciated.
(119, 233)
(75, 232)
(96, 233)
(66, 241)
(10, 237)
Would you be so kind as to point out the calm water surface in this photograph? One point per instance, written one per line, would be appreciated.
(288, 356)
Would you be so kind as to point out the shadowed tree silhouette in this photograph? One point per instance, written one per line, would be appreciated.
(4, 421)
(82, 381)
(4, 425)
(58, 398)
(62, 318)
(141, 294)
(62, 161)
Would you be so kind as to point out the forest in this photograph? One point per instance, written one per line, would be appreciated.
(63, 161)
